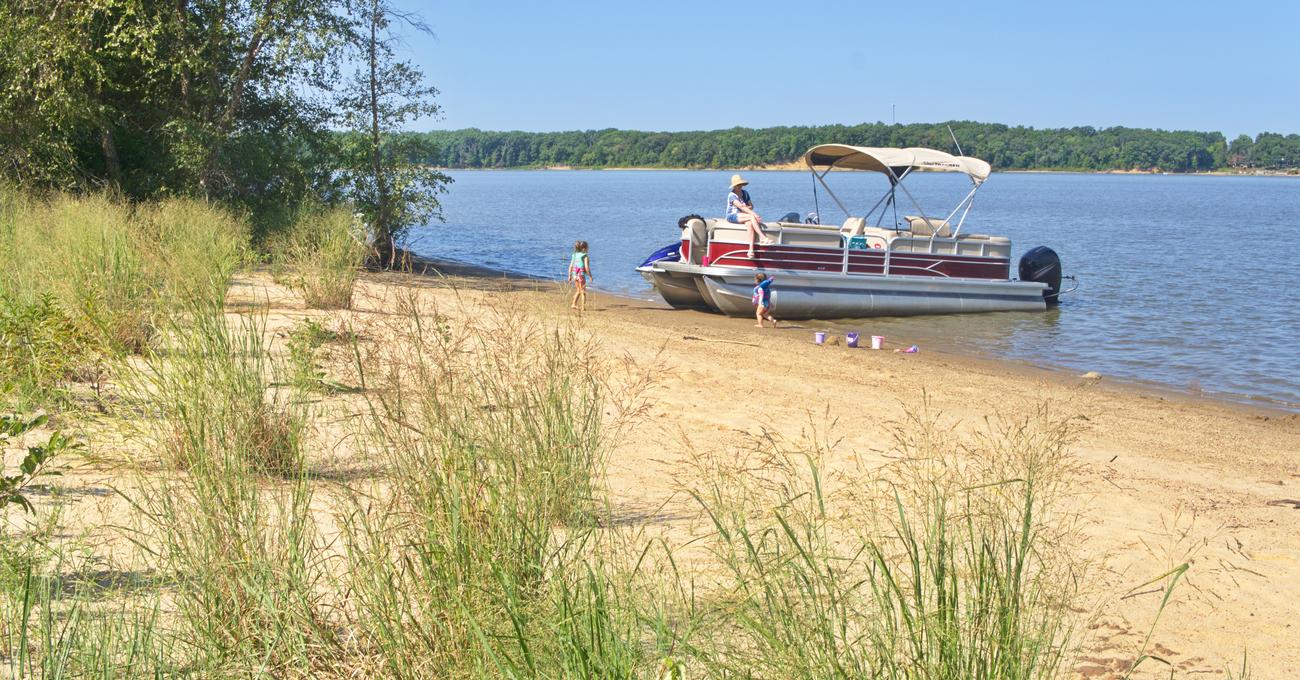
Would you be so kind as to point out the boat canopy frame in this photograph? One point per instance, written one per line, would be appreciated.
(896, 164)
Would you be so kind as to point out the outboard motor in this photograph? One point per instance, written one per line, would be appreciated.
(1042, 265)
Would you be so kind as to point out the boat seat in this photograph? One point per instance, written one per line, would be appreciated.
(699, 238)
(853, 226)
(722, 231)
(932, 227)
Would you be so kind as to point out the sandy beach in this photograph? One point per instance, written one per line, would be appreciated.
(1164, 479)
(1167, 478)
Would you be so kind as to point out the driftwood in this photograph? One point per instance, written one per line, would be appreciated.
(729, 342)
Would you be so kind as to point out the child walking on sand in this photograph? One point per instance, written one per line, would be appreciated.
(579, 273)
(763, 300)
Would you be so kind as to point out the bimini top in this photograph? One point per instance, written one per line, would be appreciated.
(895, 162)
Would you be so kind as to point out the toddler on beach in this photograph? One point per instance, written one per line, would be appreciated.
(579, 273)
(763, 299)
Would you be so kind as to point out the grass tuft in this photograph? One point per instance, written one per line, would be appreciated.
(321, 254)
(947, 564)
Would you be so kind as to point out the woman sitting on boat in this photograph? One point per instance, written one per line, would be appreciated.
(740, 210)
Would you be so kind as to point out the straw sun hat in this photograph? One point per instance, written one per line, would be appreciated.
(737, 181)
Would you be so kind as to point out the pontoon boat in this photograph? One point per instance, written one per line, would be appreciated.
(919, 264)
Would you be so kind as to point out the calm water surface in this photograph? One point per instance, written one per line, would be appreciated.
(1185, 281)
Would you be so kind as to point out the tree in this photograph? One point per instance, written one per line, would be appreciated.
(220, 98)
(391, 190)
(1239, 151)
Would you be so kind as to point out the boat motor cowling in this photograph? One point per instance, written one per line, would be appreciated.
(1042, 265)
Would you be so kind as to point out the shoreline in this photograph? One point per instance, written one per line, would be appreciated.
(1245, 403)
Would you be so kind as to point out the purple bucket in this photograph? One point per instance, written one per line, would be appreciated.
(819, 337)
(851, 339)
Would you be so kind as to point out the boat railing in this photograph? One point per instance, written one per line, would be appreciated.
(889, 252)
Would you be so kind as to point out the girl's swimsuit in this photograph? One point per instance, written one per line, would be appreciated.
(578, 266)
(763, 294)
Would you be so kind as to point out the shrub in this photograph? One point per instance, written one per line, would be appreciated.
(304, 371)
(40, 349)
(33, 464)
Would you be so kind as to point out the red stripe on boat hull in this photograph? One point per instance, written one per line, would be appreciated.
(860, 261)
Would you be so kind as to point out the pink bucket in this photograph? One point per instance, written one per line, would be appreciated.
(877, 342)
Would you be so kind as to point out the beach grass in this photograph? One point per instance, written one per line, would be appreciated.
(952, 562)
(232, 524)
(86, 279)
(320, 254)
(475, 556)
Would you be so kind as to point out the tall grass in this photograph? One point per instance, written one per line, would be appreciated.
(485, 545)
(51, 629)
(89, 278)
(111, 265)
(320, 255)
(211, 389)
(956, 564)
(41, 348)
(234, 528)
(473, 557)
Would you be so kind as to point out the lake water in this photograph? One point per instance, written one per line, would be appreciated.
(1185, 281)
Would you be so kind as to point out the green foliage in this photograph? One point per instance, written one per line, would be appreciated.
(1268, 150)
(40, 349)
(1007, 148)
(231, 100)
(391, 189)
(305, 342)
(33, 464)
(206, 96)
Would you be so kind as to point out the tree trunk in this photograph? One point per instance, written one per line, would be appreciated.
(182, 22)
(237, 87)
(111, 161)
(383, 224)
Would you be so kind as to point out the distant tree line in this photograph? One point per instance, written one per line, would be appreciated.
(1023, 148)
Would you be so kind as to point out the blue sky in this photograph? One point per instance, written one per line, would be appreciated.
(668, 65)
